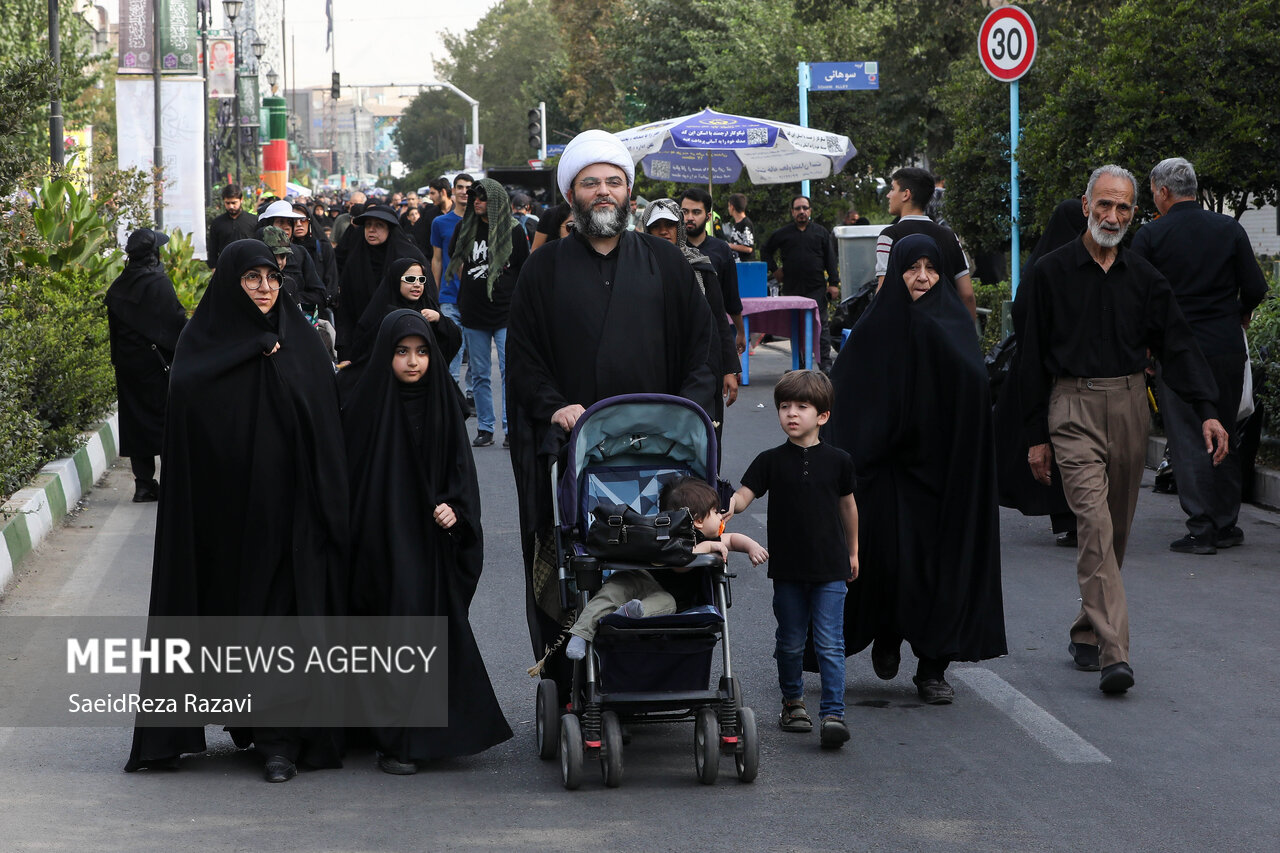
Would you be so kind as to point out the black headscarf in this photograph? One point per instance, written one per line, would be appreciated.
(912, 407)
(407, 452)
(388, 298)
(253, 513)
(363, 267)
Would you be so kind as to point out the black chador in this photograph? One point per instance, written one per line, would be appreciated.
(362, 267)
(407, 453)
(912, 406)
(253, 516)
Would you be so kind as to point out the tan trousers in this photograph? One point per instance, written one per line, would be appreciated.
(1099, 432)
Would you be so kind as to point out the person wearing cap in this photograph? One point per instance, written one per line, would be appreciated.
(234, 223)
(379, 240)
(301, 281)
(144, 319)
(601, 312)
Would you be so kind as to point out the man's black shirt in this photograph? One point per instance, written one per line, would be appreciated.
(223, 231)
(805, 256)
(1089, 323)
(1209, 262)
(726, 270)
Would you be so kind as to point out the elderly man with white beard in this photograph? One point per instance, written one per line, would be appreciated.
(1094, 311)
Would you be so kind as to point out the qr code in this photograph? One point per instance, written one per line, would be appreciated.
(757, 136)
(659, 170)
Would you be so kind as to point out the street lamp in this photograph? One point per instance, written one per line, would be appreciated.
(232, 10)
(272, 77)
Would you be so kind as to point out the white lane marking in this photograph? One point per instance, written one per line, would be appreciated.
(1045, 728)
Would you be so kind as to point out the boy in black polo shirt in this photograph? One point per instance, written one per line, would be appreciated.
(813, 547)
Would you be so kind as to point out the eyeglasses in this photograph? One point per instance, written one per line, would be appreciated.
(414, 279)
(613, 183)
(254, 280)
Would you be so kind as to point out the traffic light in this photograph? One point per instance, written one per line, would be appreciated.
(335, 90)
(535, 127)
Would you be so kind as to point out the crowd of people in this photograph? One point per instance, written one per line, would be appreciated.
(331, 335)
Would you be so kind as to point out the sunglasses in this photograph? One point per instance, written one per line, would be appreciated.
(414, 279)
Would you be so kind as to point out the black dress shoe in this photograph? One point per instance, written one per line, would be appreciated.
(145, 491)
(279, 769)
(1116, 678)
(1085, 655)
(934, 691)
(1230, 537)
(1194, 545)
(484, 438)
(1067, 540)
(396, 767)
(885, 658)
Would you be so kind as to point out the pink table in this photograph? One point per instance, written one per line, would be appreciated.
(780, 316)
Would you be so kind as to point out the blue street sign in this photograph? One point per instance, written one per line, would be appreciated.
(555, 150)
(840, 76)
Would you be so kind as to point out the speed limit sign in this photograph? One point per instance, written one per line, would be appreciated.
(1007, 43)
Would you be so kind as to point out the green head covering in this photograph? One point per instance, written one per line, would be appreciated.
(277, 240)
(498, 212)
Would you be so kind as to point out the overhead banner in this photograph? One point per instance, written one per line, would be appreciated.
(179, 37)
(182, 137)
(250, 102)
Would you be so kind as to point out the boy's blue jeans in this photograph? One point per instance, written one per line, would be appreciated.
(797, 605)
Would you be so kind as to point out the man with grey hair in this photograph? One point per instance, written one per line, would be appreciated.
(1093, 311)
(1217, 283)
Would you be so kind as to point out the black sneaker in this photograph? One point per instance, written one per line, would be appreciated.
(1193, 545)
(1230, 537)
(834, 733)
(484, 438)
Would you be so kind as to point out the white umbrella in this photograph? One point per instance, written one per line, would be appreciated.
(712, 147)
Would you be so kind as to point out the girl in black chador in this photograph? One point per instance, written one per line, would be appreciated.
(145, 319)
(253, 515)
(419, 548)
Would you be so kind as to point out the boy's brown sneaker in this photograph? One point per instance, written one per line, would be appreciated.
(794, 716)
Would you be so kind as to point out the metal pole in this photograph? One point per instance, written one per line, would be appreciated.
(204, 72)
(157, 155)
(235, 40)
(803, 74)
(1015, 260)
(56, 153)
(542, 108)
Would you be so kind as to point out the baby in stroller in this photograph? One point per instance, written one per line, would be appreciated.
(636, 592)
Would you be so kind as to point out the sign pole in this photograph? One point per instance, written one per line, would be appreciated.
(1015, 270)
(803, 75)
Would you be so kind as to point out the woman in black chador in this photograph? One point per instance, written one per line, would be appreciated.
(912, 406)
(253, 517)
(406, 283)
(418, 547)
(145, 318)
(374, 240)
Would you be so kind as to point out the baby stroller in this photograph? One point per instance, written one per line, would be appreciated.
(656, 669)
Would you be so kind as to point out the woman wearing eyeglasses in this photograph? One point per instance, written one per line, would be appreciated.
(253, 517)
(406, 284)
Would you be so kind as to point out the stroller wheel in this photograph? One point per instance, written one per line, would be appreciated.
(706, 746)
(547, 719)
(571, 752)
(747, 757)
(611, 755)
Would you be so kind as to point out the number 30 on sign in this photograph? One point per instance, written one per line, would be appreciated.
(1007, 43)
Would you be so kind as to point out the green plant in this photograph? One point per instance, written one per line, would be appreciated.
(992, 297)
(19, 432)
(63, 228)
(190, 275)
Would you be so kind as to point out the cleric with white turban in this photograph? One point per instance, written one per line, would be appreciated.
(593, 146)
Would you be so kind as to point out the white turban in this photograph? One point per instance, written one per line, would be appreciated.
(593, 146)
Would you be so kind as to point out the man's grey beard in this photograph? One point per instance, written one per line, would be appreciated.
(1105, 239)
(603, 222)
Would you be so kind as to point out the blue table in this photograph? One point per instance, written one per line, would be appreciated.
(781, 316)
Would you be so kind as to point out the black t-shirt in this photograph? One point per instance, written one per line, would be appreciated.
(806, 533)
(743, 234)
(478, 310)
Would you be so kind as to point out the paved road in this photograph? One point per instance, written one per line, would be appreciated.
(1031, 756)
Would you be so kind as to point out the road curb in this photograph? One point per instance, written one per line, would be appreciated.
(1266, 483)
(32, 512)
